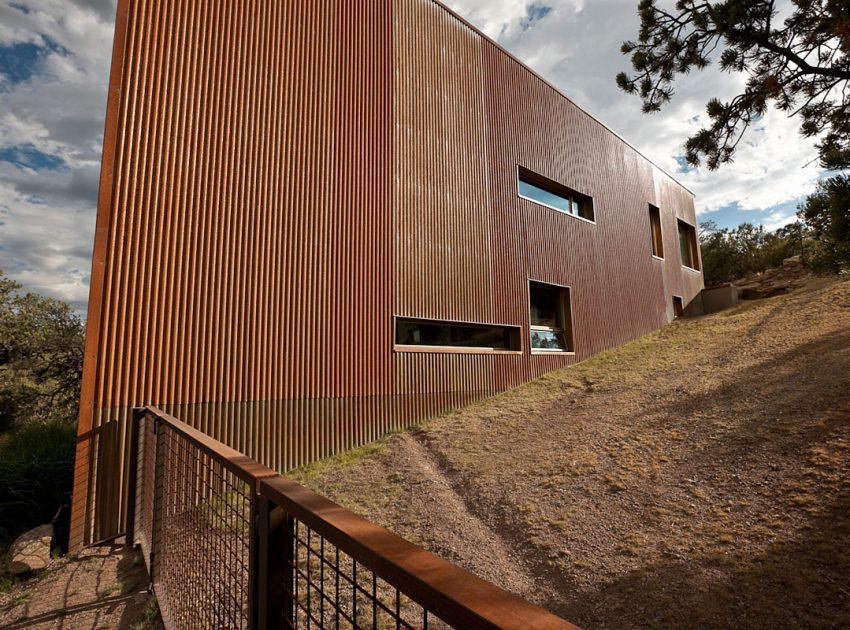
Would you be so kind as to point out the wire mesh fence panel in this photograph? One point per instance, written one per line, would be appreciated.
(203, 529)
(329, 589)
(232, 545)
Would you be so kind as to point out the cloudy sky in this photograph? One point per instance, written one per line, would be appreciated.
(54, 65)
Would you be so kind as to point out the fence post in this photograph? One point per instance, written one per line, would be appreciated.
(159, 439)
(271, 562)
(132, 476)
(287, 539)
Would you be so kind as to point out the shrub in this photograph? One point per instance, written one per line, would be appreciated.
(36, 475)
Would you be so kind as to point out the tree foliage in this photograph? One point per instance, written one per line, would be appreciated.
(728, 255)
(801, 65)
(41, 355)
(827, 214)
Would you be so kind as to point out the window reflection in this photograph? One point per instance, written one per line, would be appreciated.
(550, 312)
(414, 332)
(549, 193)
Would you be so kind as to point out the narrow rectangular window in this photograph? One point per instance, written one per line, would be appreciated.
(678, 306)
(655, 228)
(551, 194)
(688, 246)
(426, 333)
(551, 325)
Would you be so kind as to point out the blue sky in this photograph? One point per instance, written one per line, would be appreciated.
(20, 61)
(54, 66)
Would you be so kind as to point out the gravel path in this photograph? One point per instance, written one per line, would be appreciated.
(102, 587)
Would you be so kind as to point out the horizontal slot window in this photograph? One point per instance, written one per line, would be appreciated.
(547, 192)
(427, 333)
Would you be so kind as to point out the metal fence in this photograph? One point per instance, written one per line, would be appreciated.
(232, 544)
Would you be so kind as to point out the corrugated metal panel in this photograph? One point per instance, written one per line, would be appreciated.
(442, 258)
(443, 261)
(280, 179)
(618, 291)
(239, 261)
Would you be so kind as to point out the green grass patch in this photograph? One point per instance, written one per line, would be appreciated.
(343, 460)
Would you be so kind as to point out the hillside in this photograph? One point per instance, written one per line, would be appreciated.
(697, 477)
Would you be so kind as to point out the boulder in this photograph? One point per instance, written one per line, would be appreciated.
(794, 261)
(31, 551)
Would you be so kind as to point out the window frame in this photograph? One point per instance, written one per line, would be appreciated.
(515, 331)
(678, 307)
(551, 186)
(656, 235)
(694, 246)
(566, 315)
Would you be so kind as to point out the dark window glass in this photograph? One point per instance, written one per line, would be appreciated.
(416, 332)
(655, 227)
(688, 245)
(546, 306)
(554, 195)
(550, 324)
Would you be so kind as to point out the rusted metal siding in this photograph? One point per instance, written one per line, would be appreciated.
(244, 229)
(618, 291)
(443, 262)
(282, 179)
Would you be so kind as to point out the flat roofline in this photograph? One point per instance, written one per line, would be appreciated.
(560, 92)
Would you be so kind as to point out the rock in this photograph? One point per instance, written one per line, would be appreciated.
(794, 261)
(31, 551)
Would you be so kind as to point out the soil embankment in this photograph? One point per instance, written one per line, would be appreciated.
(697, 477)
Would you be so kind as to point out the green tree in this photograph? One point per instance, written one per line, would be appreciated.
(729, 255)
(41, 355)
(801, 65)
(721, 260)
(827, 214)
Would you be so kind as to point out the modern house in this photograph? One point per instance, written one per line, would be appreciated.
(320, 221)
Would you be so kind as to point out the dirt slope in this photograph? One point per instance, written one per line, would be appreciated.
(698, 477)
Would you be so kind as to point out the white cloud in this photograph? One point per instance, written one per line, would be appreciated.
(779, 219)
(47, 216)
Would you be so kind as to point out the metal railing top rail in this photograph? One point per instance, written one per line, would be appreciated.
(248, 470)
(453, 594)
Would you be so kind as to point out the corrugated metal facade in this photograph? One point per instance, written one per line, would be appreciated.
(281, 179)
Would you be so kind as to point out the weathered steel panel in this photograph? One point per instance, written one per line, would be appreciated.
(443, 262)
(243, 249)
(618, 290)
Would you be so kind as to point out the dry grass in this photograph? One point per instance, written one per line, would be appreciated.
(697, 477)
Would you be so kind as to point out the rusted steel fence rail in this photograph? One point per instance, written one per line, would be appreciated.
(230, 543)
